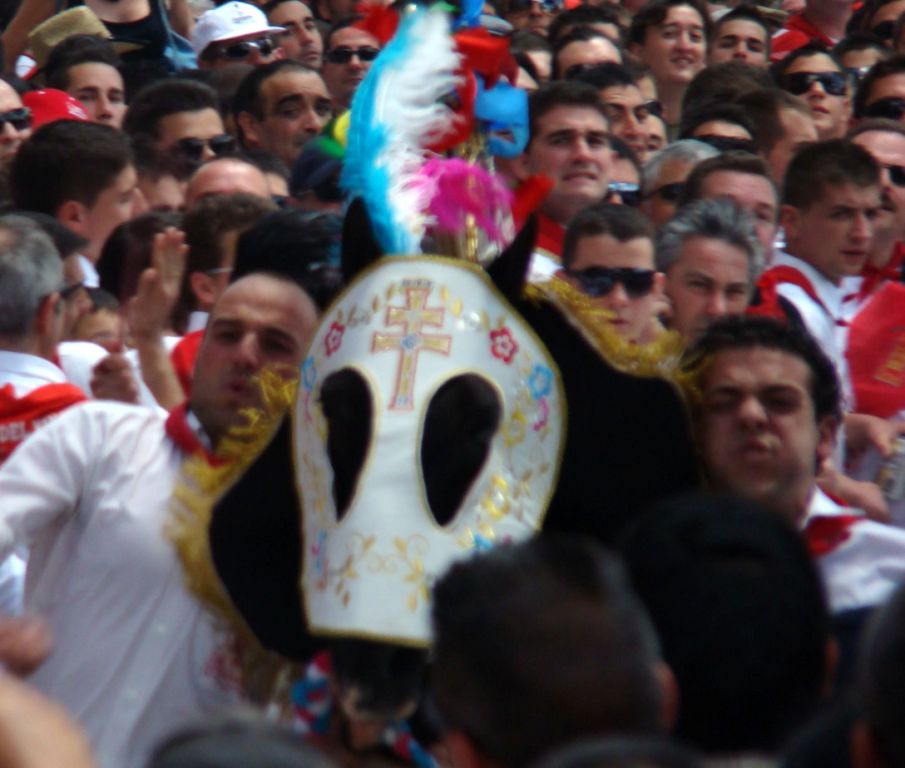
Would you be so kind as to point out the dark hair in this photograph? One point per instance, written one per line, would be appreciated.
(300, 245)
(347, 21)
(876, 124)
(724, 82)
(582, 15)
(737, 162)
(248, 95)
(525, 41)
(881, 679)
(127, 252)
(101, 299)
(621, 222)
(67, 160)
(724, 579)
(859, 41)
(746, 332)
(235, 742)
(830, 163)
(605, 75)
(75, 50)
(813, 48)
(205, 224)
(764, 108)
(704, 113)
(580, 34)
(745, 12)
(166, 97)
(862, 19)
(562, 94)
(894, 65)
(654, 13)
(564, 652)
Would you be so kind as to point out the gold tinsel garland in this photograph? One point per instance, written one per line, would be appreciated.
(265, 674)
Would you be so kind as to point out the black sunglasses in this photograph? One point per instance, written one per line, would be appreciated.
(629, 193)
(896, 174)
(834, 83)
(344, 55)
(729, 143)
(193, 149)
(239, 51)
(20, 119)
(600, 281)
(884, 29)
(523, 5)
(669, 192)
(891, 108)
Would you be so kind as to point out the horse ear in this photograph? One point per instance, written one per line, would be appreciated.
(510, 269)
(359, 246)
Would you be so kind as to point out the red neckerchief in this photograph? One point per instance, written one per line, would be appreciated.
(183, 358)
(550, 236)
(179, 431)
(873, 277)
(796, 32)
(826, 533)
(769, 295)
(20, 416)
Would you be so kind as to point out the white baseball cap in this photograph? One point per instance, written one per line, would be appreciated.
(227, 22)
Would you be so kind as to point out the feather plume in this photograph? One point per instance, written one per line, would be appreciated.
(397, 112)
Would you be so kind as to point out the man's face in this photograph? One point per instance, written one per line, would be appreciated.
(632, 306)
(887, 88)
(675, 49)
(709, 280)
(587, 53)
(255, 49)
(830, 111)
(752, 193)
(100, 89)
(834, 234)
(114, 206)
(259, 321)
(201, 124)
(758, 433)
(888, 150)
(740, 40)
(628, 115)
(660, 202)
(302, 40)
(11, 137)
(572, 149)
(343, 77)
(296, 107)
(531, 15)
(226, 177)
(798, 131)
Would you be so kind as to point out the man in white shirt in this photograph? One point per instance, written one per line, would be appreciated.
(135, 654)
(768, 411)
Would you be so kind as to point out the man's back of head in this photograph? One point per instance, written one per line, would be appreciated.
(564, 651)
(739, 608)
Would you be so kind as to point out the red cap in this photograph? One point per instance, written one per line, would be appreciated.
(49, 105)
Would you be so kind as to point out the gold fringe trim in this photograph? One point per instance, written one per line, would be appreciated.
(265, 675)
(659, 358)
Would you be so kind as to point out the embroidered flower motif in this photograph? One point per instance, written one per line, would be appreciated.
(540, 382)
(543, 415)
(502, 345)
(309, 374)
(334, 338)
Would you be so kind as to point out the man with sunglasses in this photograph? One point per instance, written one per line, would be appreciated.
(235, 32)
(15, 123)
(608, 255)
(532, 15)
(812, 73)
(664, 177)
(882, 91)
(348, 55)
(179, 118)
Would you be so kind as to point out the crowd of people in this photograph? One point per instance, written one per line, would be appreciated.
(668, 471)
